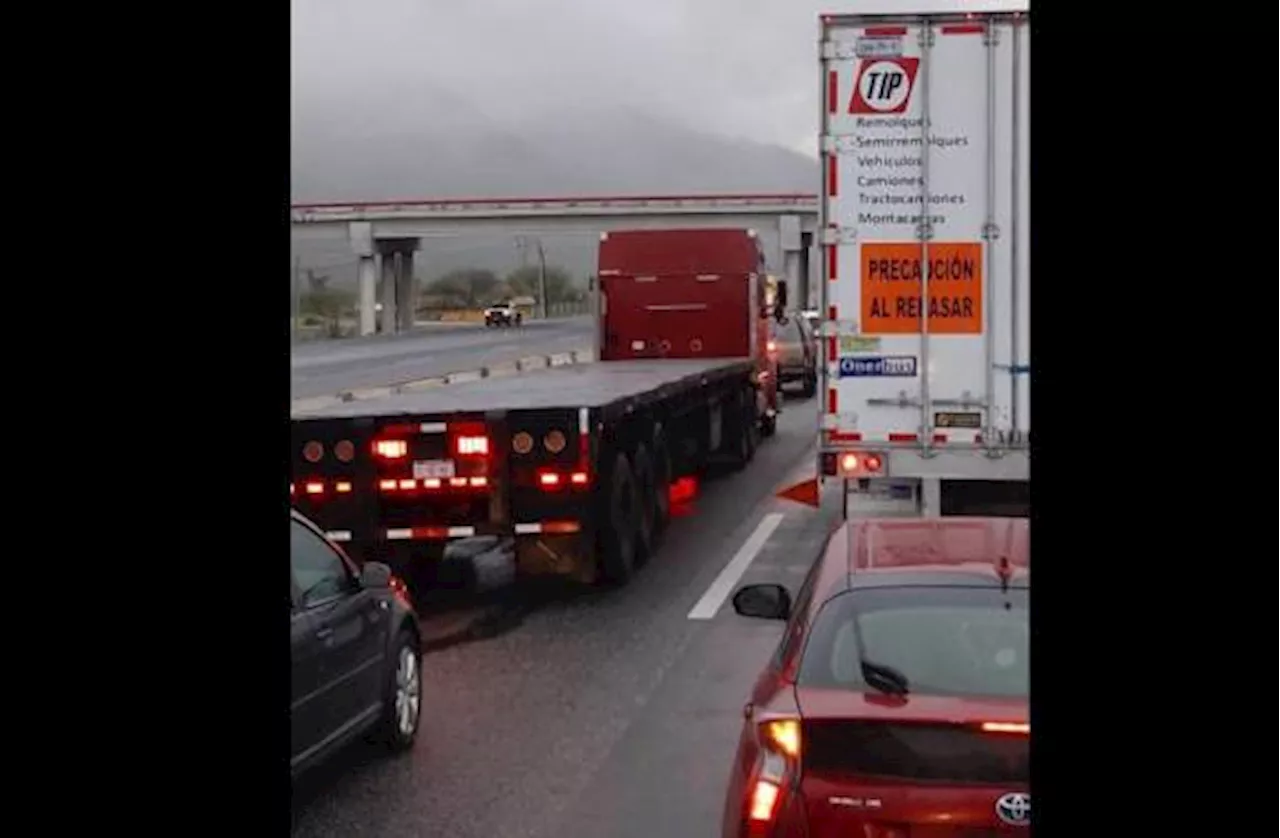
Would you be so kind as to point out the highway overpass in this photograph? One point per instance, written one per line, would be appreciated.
(384, 235)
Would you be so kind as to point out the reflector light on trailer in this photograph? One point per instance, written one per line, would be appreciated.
(554, 442)
(392, 449)
(548, 527)
(312, 451)
(579, 478)
(315, 488)
(457, 481)
(407, 533)
(472, 445)
(386, 485)
(1006, 727)
(344, 451)
(343, 487)
(549, 478)
(431, 483)
(407, 484)
(479, 481)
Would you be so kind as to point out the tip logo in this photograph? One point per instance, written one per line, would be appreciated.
(883, 85)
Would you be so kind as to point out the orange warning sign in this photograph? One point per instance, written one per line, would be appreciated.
(890, 277)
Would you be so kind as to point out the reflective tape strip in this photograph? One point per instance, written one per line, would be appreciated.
(461, 532)
(339, 535)
(433, 427)
(399, 535)
(528, 529)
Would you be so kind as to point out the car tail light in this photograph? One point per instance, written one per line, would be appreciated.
(776, 767)
(315, 488)
(342, 487)
(457, 482)
(387, 485)
(772, 346)
(579, 478)
(479, 481)
(548, 479)
(406, 484)
(391, 449)
(431, 483)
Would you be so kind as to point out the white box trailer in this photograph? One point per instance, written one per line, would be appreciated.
(926, 257)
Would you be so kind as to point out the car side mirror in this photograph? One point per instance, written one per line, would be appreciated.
(770, 602)
(375, 575)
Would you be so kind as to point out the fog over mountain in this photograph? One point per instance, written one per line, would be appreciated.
(431, 98)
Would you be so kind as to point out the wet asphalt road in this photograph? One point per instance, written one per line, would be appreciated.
(605, 714)
(325, 368)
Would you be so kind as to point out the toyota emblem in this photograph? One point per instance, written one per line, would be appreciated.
(1014, 808)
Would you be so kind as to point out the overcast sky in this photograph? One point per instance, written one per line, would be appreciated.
(738, 68)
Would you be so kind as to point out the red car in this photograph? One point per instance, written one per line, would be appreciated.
(896, 704)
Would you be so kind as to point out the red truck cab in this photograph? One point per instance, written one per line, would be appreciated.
(697, 294)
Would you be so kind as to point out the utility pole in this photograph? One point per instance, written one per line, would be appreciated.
(542, 279)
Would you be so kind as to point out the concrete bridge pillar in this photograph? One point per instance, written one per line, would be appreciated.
(361, 235)
(791, 244)
(398, 292)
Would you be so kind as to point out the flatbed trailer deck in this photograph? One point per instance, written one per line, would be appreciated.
(565, 470)
(616, 385)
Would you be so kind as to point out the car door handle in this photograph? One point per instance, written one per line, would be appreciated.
(324, 633)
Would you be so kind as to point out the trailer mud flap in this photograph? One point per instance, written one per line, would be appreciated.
(557, 554)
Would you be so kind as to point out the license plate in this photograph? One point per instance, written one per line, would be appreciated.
(424, 469)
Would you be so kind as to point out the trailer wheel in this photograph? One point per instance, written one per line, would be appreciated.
(618, 550)
(646, 495)
(661, 482)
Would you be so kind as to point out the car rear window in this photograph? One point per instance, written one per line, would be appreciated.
(946, 640)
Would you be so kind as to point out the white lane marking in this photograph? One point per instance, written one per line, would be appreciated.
(715, 596)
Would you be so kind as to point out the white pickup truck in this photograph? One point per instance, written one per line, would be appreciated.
(502, 314)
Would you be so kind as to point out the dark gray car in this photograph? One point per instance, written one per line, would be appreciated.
(357, 660)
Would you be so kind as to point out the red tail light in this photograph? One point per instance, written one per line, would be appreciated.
(779, 757)
(772, 346)
(858, 464)
(548, 479)
(391, 449)
(342, 487)
(315, 488)
(579, 478)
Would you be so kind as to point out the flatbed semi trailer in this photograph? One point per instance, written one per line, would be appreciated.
(567, 470)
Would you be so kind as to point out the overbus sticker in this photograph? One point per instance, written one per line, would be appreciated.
(883, 366)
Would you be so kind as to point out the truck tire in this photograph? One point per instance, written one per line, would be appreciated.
(810, 384)
(768, 425)
(741, 423)
(618, 536)
(661, 482)
(646, 495)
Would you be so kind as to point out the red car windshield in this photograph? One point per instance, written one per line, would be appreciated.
(945, 640)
